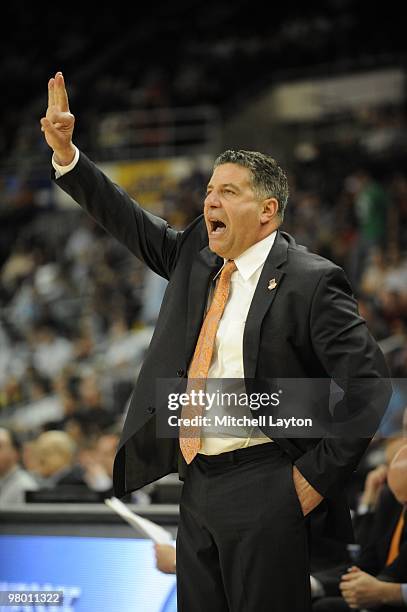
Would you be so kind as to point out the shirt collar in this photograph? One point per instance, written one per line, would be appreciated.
(250, 260)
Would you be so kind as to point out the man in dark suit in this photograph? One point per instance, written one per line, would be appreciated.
(386, 592)
(379, 580)
(374, 543)
(280, 312)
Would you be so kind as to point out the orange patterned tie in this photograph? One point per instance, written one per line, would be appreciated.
(190, 436)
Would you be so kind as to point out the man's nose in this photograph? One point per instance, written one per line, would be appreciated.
(212, 200)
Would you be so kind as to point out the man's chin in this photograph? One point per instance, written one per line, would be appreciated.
(217, 248)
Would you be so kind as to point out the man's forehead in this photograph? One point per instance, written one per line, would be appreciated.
(231, 174)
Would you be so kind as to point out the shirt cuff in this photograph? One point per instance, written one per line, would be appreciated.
(404, 593)
(61, 170)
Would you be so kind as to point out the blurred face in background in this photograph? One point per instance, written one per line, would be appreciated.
(8, 454)
(54, 451)
(235, 218)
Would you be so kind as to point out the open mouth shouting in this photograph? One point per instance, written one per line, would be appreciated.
(217, 227)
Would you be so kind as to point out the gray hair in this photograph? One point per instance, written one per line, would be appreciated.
(268, 179)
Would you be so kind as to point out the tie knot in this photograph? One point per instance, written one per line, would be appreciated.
(228, 269)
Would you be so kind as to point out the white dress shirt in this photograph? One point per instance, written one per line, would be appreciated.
(227, 361)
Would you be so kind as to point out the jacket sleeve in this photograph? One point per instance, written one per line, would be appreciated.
(351, 357)
(150, 238)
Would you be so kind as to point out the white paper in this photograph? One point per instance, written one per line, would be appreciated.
(147, 528)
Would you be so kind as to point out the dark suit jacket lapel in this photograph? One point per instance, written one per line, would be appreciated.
(262, 300)
(204, 268)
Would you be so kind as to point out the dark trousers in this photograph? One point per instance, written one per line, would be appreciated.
(242, 543)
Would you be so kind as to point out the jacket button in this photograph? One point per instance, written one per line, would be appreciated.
(180, 373)
(151, 409)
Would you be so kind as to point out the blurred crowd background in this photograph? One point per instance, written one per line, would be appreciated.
(157, 95)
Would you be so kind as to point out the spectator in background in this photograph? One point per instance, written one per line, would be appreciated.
(399, 196)
(99, 464)
(374, 275)
(90, 393)
(396, 277)
(98, 469)
(55, 454)
(383, 553)
(51, 352)
(371, 207)
(359, 588)
(91, 402)
(14, 481)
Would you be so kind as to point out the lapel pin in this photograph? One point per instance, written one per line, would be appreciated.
(272, 284)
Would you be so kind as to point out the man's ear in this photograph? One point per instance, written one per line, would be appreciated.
(269, 210)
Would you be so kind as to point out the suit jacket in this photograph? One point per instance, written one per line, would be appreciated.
(307, 327)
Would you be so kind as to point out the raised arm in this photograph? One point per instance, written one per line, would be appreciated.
(150, 238)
